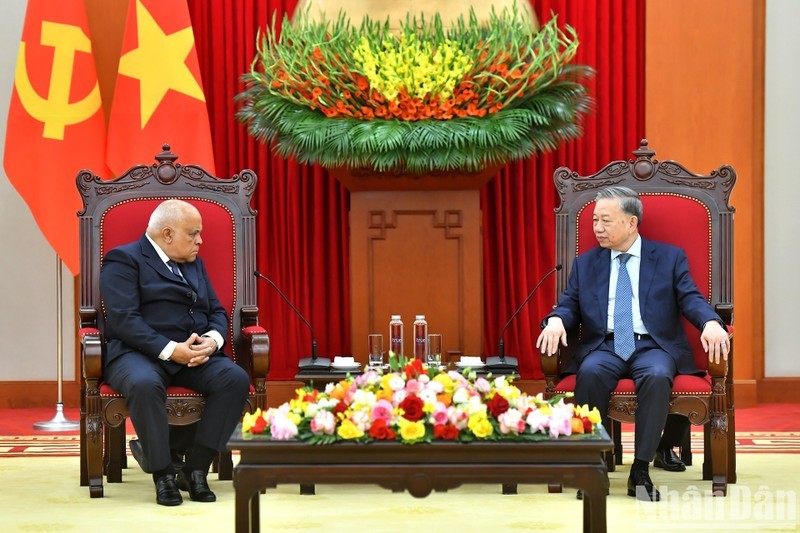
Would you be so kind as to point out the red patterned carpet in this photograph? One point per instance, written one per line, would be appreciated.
(767, 428)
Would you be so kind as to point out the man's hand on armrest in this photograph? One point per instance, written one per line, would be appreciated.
(551, 335)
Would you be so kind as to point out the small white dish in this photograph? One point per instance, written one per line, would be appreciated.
(345, 367)
(470, 365)
(342, 361)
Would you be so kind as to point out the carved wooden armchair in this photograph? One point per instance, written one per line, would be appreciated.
(116, 212)
(684, 209)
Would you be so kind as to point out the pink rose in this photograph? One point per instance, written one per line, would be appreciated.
(383, 410)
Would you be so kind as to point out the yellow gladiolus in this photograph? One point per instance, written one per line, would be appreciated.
(421, 68)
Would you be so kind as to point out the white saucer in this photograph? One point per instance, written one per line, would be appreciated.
(470, 365)
(346, 367)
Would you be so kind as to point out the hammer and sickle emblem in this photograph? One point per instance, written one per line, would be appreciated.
(55, 111)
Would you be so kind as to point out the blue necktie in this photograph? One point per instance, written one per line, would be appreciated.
(623, 315)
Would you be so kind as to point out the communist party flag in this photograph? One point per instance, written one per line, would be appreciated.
(55, 124)
(158, 97)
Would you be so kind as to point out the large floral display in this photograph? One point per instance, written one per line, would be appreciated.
(426, 99)
(413, 403)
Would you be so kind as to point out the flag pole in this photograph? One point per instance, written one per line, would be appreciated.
(59, 422)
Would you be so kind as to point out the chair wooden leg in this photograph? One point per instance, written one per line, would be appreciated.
(617, 436)
(115, 448)
(84, 466)
(707, 456)
(511, 488)
(93, 443)
(225, 467)
(686, 449)
(719, 458)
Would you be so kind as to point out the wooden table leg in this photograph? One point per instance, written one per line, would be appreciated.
(307, 490)
(247, 496)
(594, 502)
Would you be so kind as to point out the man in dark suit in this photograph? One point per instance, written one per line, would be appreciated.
(628, 295)
(165, 326)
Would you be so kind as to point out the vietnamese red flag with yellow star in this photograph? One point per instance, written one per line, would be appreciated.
(56, 125)
(158, 98)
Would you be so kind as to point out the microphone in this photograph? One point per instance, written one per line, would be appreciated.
(501, 362)
(312, 363)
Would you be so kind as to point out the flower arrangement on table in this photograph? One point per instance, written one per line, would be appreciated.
(426, 100)
(414, 403)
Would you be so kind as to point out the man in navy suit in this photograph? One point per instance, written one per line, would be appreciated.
(631, 323)
(165, 326)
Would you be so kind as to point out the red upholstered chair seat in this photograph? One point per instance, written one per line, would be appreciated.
(106, 391)
(691, 385)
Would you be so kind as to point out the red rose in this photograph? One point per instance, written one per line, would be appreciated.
(497, 405)
(379, 430)
(445, 432)
(412, 408)
(340, 407)
(587, 425)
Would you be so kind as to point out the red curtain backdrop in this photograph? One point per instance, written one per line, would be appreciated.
(302, 222)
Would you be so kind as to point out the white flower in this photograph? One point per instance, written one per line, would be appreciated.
(428, 396)
(397, 383)
(460, 396)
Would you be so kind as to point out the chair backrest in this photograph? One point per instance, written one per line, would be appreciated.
(680, 208)
(116, 212)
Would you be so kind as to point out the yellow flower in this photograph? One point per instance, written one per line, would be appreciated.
(446, 381)
(479, 425)
(411, 430)
(249, 419)
(420, 68)
(348, 430)
(583, 411)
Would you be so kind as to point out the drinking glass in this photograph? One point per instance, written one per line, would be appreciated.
(435, 350)
(375, 349)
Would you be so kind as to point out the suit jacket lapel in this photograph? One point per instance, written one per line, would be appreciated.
(602, 269)
(647, 269)
(151, 258)
(190, 274)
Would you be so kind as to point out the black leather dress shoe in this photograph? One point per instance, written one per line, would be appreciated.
(167, 492)
(196, 483)
(667, 459)
(138, 454)
(640, 486)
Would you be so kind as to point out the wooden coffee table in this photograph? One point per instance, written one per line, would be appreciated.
(574, 461)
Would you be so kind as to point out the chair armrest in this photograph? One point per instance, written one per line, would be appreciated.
(549, 364)
(720, 370)
(91, 352)
(259, 349)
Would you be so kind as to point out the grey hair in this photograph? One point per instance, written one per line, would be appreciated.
(628, 199)
(168, 213)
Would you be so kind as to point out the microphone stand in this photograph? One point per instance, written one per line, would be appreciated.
(307, 364)
(509, 364)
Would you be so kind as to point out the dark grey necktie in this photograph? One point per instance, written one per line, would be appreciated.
(175, 270)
